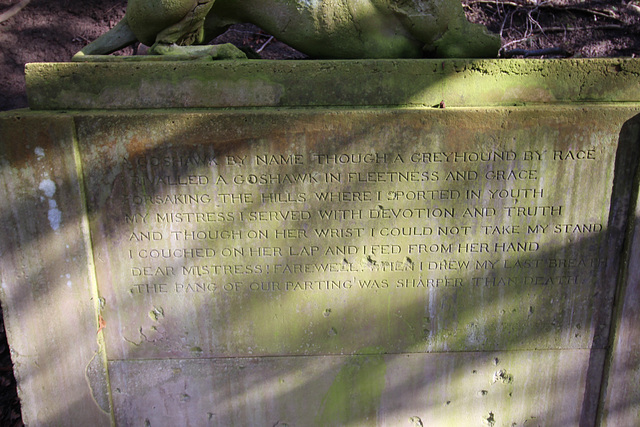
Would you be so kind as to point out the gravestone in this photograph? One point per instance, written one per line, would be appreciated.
(276, 243)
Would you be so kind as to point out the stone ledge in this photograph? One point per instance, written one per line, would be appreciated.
(127, 84)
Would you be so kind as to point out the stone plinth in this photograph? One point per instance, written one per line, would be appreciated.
(349, 83)
(295, 249)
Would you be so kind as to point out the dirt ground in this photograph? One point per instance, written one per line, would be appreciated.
(53, 30)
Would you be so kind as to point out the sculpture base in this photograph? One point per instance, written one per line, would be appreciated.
(320, 252)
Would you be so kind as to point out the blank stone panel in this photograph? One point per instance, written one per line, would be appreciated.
(49, 299)
(439, 389)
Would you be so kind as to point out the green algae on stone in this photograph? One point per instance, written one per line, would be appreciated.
(354, 395)
(329, 83)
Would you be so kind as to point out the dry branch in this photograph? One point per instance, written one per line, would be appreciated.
(606, 13)
(6, 15)
(590, 28)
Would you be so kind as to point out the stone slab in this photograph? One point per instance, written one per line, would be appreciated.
(324, 266)
(49, 295)
(541, 388)
(419, 83)
(203, 250)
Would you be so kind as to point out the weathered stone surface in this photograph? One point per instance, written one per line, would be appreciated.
(49, 298)
(325, 266)
(456, 230)
(440, 390)
(421, 83)
(621, 394)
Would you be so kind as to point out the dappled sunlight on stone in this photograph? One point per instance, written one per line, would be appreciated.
(322, 266)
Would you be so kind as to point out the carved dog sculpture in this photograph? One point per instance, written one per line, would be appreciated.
(318, 28)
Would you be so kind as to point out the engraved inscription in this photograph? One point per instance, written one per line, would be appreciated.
(417, 231)
(352, 221)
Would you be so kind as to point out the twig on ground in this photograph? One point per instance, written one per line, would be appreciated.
(79, 39)
(558, 51)
(533, 21)
(251, 33)
(13, 10)
(264, 44)
(594, 28)
(514, 42)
